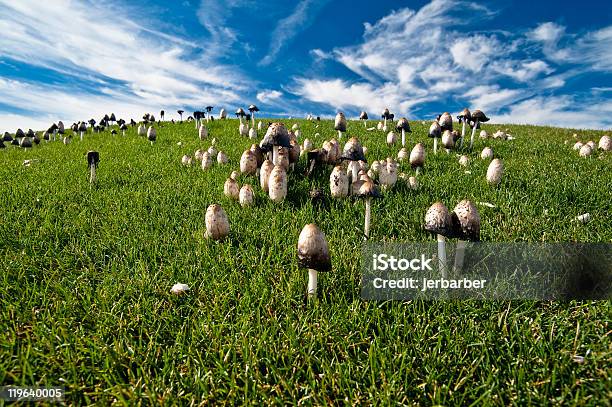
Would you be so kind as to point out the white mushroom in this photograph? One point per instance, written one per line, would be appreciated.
(277, 184)
(179, 289)
(578, 146)
(217, 224)
(222, 158)
(487, 153)
(264, 174)
(495, 171)
(245, 196)
(585, 150)
(402, 155)
(203, 132)
(391, 138)
(207, 161)
(248, 163)
(605, 143)
(230, 188)
(313, 254)
(338, 182)
(252, 133)
(186, 160)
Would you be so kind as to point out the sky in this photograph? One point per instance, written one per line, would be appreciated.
(538, 62)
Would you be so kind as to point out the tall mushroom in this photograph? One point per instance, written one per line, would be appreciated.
(151, 134)
(367, 190)
(386, 115)
(276, 136)
(203, 132)
(313, 254)
(180, 113)
(404, 126)
(340, 124)
(477, 117)
(363, 116)
(93, 158)
(435, 132)
(466, 224)
(439, 222)
(464, 117)
(253, 109)
(123, 128)
(277, 184)
(353, 151)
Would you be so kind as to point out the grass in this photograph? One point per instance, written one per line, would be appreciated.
(86, 273)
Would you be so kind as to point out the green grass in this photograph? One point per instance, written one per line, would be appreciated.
(86, 271)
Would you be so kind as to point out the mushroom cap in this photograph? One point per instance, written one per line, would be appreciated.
(366, 189)
(448, 140)
(340, 122)
(123, 127)
(495, 171)
(276, 135)
(7, 137)
(245, 196)
(605, 143)
(479, 116)
(363, 116)
(82, 127)
(313, 252)
(93, 158)
(151, 133)
(240, 112)
(435, 130)
(217, 224)
(438, 220)
(19, 133)
(353, 151)
(402, 124)
(465, 113)
(466, 221)
(253, 108)
(258, 154)
(385, 113)
(417, 155)
(446, 121)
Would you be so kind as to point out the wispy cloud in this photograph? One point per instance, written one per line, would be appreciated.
(269, 95)
(300, 19)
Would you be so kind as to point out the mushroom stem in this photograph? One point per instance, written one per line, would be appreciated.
(151, 143)
(312, 283)
(462, 132)
(253, 119)
(123, 133)
(473, 133)
(81, 134)
(92, 174)
(355, 174)
(197, 123)
(274, 154)
(368, 217)
(442, 255)
(385, 121)
(459, 256)
(339, 135)
(435, 145)
(403, 137)
(365, 124)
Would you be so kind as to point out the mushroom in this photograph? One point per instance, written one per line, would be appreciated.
(435, 132)
(391, 138)
(380, 126)
(388, 173)
(253, 109)
(259, 125)
(307, 145)
(403, 126)
(484, 134)
(367, 189)
(277, 184)
(282, 158)
(578, 146)
(585, 150)
(340, 124)
(495, 171)
(207, 160)
(363, 116)
(151, 134)
(208, 110)
(93, 158)
(417, 157)
(313, 254)
(438, 221)
(252, 133)
(259, 155)
(338, 182)
(276, 136)
(464, 160)
(448, 140)
(464, 117)
(248, 163)
(82, 129)
(203, 132)
(180, 113)
(179, 289)
(466, 223)
(123, 128)
(605, 143)
(222, 114)
(246, 195)
(487, 153)
(402, 155)
(353, 152)
(142, 130)
(264, 174)
(222, 158)
(217, 224)
(230, 188)
(386, 115)
(477, 117)
(186, 160)
(446, 121)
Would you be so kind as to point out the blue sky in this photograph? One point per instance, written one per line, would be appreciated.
(540, 62)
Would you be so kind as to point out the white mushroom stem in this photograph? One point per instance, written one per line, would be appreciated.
(92, 174)
(473, 133)
(274, 154)
(123, 133)
(253, 119)
(403, 137)
(355, 174)
(312, 283)
(435, 145)
(459, 256)
(151, 142)
(462, 132)
(197, 123)
(339, 135)
(385, 121)
(442, 255)
(365, 124)
(81, 134)
(368, 217)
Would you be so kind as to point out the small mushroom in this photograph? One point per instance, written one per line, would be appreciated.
(367, 190)
(230, 188)
(417, 157)
(252, 133)
(340, 124)
(248, 163)
(277, 184)
(403, 126)
(435, 132)
(142, 130)
(186, 160)
(586, 150)
(439, 222)
(264, 174)
(464, 117)
(605, 143)
(402, 155)
(245, 196)
(217, 224)
(151, 134)
(179, 289)
(466, 223)
(484, 134)
(338, 182)
(203, 132)
(477, 117)
(313, 254)
(391, 138)
(487, 153)
(307, 145)
(578, 146)
(464, 160)
(222, 158)
(93, 158)
(207, 160)
(495, 171)
(363, 116)
(253, 109)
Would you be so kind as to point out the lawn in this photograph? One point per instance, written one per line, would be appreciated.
(86, 273)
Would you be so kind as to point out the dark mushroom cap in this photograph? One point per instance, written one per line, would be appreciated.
(465, 114)
(466, 221)
(478, 115)
(240, 112)
(277, 135)
(386, 114)
(313, 252)
(92, 121)
(435, 130)
(113, 131)
(446, 121)
(7, 137)
(340, 122)
(180, 112)
(209, 108)
(353, 151)
(438, 220)
(83, 126)
(25, 142)
(93, 158)
(402, 124)
(363, 116)
(19, 133)
(253, 108)
(366, 189)
(112, 117)
(31, 133)
(123, 127)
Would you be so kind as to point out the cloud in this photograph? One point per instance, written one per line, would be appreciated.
(547, 33)
(268, 95)
(300, 19)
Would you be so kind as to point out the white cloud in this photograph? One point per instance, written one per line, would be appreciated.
(268, 95)
(547, 32)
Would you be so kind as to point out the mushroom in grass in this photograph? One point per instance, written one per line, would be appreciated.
(186, 160)
(578, 145)
(605, 143)
(252, 133)
(222, 158)
(259, 155)
(313, 254)
(282, 159)
(230, 188)
(386, 115)
(417, 157)
(477, 117)
(207, 160)
(391, 138)
(253, 109)
(487, 153)
(276, 136)
(123, 128)
(203, 132)
(464, 160)
(82, 129)
(387, 174)
(448, 140)
(248, 163)
(294, 153)
(367, 190)
(180, 289)
(403, 126)
(446, 121)
(259, 125)
(353, 151)
(363, 116)
(439, 222)
(151, 134)
(222, 114)
(264, 174)
(340, 124)
(93, 158)
(379, 126)
(180, 113)
(495, 171)
(466, 224)
(402, 155)
(277, 184)
(245, 196)
(142, 130)
(217, 224)
(585, 151)
(435, 132)
(464, 117)
(591, 143)
(307, 145)
(339, 182)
